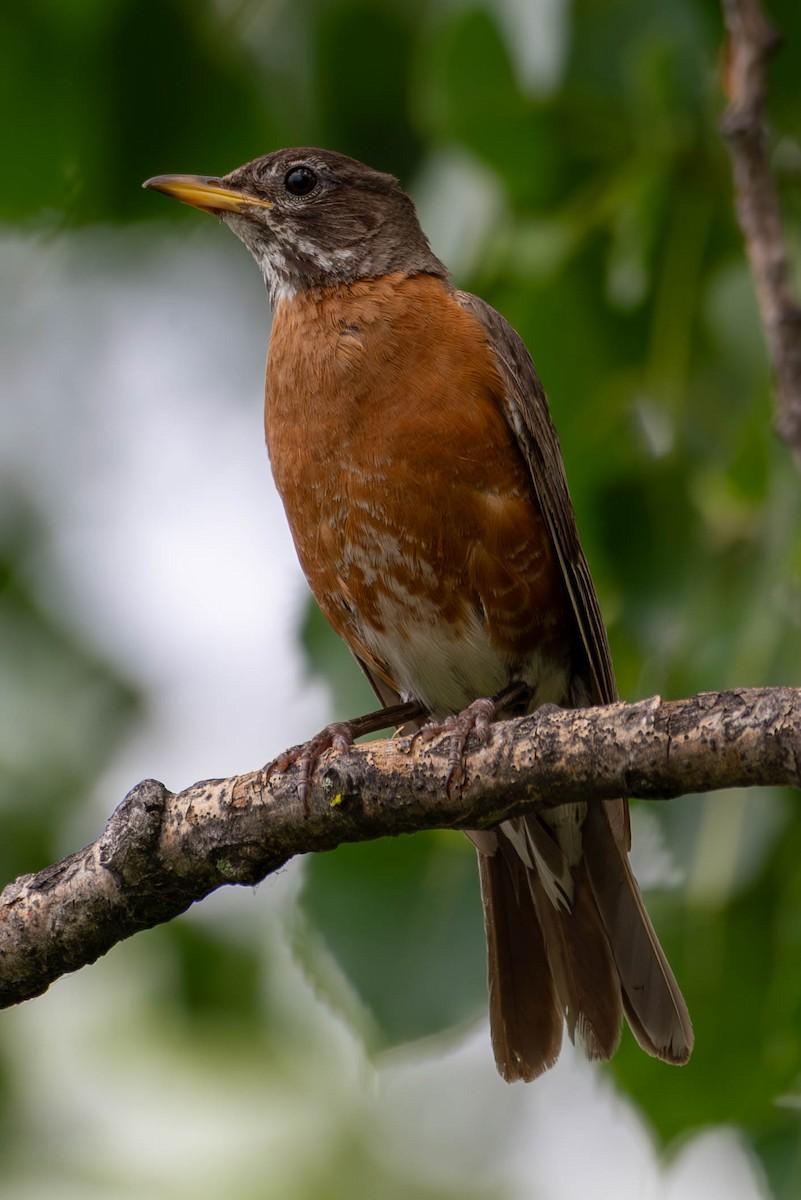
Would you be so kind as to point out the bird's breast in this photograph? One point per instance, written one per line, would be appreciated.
(410, 505)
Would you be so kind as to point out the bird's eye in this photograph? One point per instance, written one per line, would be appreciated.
(300, 181)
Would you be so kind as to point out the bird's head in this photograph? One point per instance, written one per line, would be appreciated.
(312, 218)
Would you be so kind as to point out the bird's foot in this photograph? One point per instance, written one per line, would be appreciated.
(476, 718)
(339, 736)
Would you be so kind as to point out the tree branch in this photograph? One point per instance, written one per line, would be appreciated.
(161, 851)
(751, 43)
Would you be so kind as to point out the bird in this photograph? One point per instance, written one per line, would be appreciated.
(411, 442)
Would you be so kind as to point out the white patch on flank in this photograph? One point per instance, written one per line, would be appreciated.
(377, 556)
(447, 666)
(434, 663)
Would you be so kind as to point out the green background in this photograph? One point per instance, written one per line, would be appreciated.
(573, 173)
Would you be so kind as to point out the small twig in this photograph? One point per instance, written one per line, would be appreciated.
(160, 852)
(752, 41)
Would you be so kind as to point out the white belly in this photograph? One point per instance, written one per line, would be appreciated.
(446, 665)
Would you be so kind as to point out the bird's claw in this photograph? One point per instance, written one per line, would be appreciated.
(339, 736)
(476, 718)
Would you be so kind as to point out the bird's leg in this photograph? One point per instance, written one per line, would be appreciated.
(476, 718)
(339, 735)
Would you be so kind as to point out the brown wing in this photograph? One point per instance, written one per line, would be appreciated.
(526, 408)
(387, 695)
(651, 998)
(527, 412)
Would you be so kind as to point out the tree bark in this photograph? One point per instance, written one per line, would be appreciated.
(751, 44)
(160, 852)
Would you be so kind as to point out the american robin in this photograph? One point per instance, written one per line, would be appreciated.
(411, 443)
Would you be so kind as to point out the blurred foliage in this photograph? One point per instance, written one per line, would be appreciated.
(404, 921)
(63, 710)
(614, 251)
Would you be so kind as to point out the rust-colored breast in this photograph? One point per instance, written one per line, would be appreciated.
(411, 507)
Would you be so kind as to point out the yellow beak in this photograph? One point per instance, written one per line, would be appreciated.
(205, 193)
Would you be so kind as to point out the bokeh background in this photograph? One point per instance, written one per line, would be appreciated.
(324, 1036)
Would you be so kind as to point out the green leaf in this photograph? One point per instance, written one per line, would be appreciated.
(403, 918)
(469, 95)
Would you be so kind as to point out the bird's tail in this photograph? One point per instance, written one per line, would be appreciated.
(652, 1001)
(580, 959)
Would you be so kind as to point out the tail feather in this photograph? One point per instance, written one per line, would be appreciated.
(582, 966)
(585, 962)
(653, 1003)
(525, 1015)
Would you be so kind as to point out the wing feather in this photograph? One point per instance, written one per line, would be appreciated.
(526, 409)
(651, 997)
